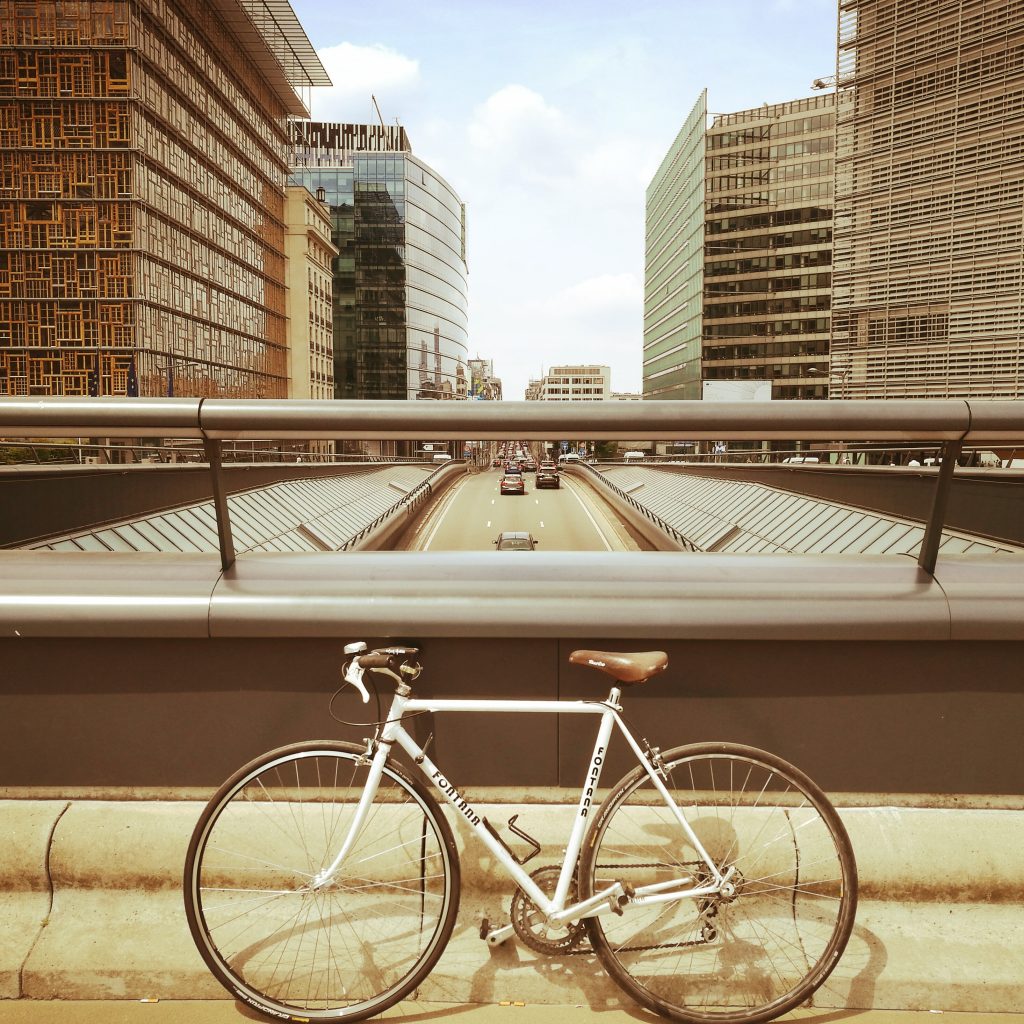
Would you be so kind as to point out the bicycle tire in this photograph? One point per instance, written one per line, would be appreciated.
(717, 960)
(352, 948)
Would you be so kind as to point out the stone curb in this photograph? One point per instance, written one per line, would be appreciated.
(939, 918)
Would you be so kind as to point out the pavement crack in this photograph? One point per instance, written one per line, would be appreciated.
(49, 905)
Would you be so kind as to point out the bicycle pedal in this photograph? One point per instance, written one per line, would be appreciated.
(495, 936)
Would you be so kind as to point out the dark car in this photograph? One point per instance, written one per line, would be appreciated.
(529, 466)
(548, 478)
(515, 540)
(512, 483)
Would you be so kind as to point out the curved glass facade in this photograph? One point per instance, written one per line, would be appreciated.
(400, 289)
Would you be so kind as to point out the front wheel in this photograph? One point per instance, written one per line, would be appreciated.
(284, 941)
(762, 944)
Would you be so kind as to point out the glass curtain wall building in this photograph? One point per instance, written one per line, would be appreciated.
(143, 161)
(929, 247)
(674, 265)
(738, 263)
(768, 246)
(400, 279)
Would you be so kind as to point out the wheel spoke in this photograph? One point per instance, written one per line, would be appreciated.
(357, 943)
(750, 952)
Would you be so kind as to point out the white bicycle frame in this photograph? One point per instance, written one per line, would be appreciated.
(554, 907)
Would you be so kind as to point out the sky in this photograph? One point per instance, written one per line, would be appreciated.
(549, 120)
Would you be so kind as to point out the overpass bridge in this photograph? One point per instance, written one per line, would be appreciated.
(892, 679)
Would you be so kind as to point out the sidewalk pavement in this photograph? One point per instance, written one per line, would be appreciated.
(90, 897)
(229, 1012)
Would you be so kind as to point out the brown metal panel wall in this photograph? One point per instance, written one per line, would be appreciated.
(859, 717)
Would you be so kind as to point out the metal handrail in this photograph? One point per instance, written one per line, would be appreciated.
(948, 422)
(938, 420)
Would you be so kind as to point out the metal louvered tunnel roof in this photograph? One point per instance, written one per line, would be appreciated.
(315, 514)
(753, 518)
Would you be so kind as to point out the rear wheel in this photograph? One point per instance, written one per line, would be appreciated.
(341, 951)
(768, 940)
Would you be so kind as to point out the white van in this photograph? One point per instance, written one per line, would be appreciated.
(441, 457)
(569, 457)
(633, 457)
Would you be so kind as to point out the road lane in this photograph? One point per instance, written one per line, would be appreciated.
(472, 513)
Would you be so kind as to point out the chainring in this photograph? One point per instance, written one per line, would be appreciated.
(529, 922)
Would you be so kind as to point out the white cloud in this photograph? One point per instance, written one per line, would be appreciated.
(516, 130)
(359, 71)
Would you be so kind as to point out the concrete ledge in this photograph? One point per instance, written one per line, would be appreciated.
(24, 883)
(941, 911)
(904, 853)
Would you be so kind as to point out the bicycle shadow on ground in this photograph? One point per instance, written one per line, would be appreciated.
(472, 972)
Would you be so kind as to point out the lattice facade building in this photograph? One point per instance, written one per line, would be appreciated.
(929, 246)
(143, 162)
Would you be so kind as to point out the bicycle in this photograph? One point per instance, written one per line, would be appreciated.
(716, 883)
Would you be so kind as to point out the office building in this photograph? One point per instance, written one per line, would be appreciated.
(400, 305)
(310, 254)
(738, 252)
(572, 384)
(143, 162)
(929, 191)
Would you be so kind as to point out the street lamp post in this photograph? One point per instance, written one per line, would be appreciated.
(842, 375)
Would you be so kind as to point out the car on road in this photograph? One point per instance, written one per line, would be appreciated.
(512, 483)
(515, 540)
(529, 466)
(547, 477)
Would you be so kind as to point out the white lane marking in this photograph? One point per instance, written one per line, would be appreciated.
(593, 521)
(542, 522)
(442, 512)
(488, 524)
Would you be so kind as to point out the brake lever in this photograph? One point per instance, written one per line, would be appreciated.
(354, 674)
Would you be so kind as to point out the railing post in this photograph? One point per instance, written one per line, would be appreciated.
(220, 504)
(933, 531)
